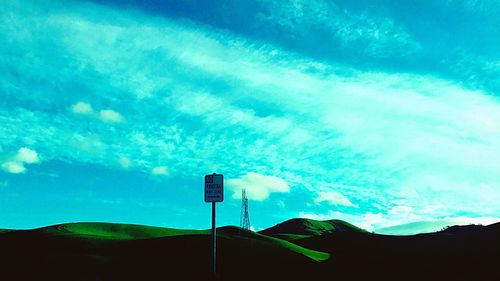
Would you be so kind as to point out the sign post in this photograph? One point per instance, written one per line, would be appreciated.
(214, 192)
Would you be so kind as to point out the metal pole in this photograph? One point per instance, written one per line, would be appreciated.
(214, 240)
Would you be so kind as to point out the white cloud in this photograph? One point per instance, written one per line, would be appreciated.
(82, 108)
(464, 220)
(334, 198)
(319, 216)
(15, 164)
(108, 115)
(395, 224)
(26, 155)
(401, 211)
(433, 225)
(124, 162)
(13, 167)
(371, 220)
(257, 186)
(160, 171)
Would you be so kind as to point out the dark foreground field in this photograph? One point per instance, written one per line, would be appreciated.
(297, 249)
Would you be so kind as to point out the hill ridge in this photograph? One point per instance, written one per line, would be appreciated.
(310, 227)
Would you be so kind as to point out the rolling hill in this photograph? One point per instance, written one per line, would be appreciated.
(301, 228)
(104, 251)
(298, 249)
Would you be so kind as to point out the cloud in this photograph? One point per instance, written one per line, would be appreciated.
(434, 225)
(26, 155)
(124, 162)
(334, 198)
(15, 164)
(402, 211)
(13, 167)
(108, 115)
(257, 186)
(160, 171)
(236, 103)
(397, 221)
(355, 31)
(415, 227)
(82, 108)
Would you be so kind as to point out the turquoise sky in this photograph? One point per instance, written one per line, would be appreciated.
(381, 113)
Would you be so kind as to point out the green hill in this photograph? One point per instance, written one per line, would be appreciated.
(117, 231)
(333, 250)
(295, 229)
(135, 252)
(257, 238)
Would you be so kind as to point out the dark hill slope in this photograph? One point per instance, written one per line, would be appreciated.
(93, 251)
(301, 228)
(98, 251)
(458, 253)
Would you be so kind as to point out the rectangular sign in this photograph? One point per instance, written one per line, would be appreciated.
(214, 188)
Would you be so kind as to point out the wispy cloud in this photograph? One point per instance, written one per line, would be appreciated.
(358, 32)
(334, 198)
(394, 224)
(434, 225)
(236, 105)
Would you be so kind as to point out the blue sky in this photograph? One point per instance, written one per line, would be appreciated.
(383, 114)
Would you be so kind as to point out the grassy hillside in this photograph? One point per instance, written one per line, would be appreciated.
(330, 250)
(118, 231)
(457, 253)
(134, 252)
(301, 228)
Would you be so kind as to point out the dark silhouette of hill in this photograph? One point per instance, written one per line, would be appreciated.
(457, 253)
(309, 227)
(330, 250)
(103, 251)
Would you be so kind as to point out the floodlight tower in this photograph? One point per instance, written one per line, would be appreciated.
(245, 220)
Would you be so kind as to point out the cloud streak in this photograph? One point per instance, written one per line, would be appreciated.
(334, 198)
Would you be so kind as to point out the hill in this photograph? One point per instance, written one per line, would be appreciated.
(457, 253)
(330, 249)
(87, 251)
(299, 228)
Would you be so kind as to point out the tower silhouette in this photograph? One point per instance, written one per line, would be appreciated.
(244, 220)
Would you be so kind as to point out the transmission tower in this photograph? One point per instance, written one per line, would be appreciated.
(245, 220)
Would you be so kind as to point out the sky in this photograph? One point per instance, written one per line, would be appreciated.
(385, 114)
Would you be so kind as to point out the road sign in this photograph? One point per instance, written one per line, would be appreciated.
(214, 188)
(214, 192)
